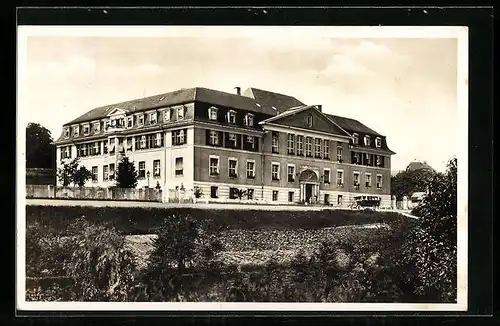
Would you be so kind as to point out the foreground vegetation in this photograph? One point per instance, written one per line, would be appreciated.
(415, 261)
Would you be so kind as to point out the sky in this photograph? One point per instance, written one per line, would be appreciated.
(404, 88)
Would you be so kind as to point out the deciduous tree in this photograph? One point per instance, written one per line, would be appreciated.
(40, 152)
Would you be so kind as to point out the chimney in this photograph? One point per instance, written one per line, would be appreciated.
(238, 90)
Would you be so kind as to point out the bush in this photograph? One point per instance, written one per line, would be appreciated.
(102, 269)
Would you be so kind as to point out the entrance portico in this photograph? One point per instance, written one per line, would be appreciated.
(309, 186)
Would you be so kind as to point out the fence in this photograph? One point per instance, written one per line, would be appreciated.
(93, 193)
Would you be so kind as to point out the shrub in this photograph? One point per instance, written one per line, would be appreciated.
(101, 268)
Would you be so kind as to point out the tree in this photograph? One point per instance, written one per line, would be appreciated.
(70, 173)
(127, 174)
(40, 152)
(428, 257)
(183, 243)
(81, 176)
(405, 183)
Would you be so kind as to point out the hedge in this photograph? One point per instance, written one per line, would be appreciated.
(141, 220)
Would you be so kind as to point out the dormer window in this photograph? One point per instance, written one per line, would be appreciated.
(166, 115)
(309, 121)
(86, 129)
(106, 125)
(143, 141)
(141, 120)
(355, 139)
(76, 131)
(378, 142)
(180, 113)
(152, 118)
(97, 127)
(212, 113)
(231, 116)
(367, 140)
(249, 120)
(130, 122)
(66, 132)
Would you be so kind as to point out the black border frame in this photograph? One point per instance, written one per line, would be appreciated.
(480, 23)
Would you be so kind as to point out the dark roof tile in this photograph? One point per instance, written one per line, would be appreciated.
(351, 125)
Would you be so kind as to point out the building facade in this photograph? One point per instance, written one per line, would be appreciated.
(270, 145)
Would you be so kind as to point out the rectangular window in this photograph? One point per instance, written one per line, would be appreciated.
(275, 171)
(367, 140)
(251, 141)
(309, 146)
(249, 120)
(291, 144)
(179, 137)
(214, 137)
(66, 132)
(156, 168)
(96, 149)
(111, 171)
(250, 169)
(378, 142)
(97, 127)
(275, 195)
(95, 173)
(317, 147)
(179, 170)
(233, 193)
(214, 165)
(105, 172)
(141, 119)
(326, 199)
(142, 170)
(368, 180)
(379, 181)
(76, 131)
(300, 145)
(214, 192)
(231, 116)
(291, 173)
(159, 139)
(355, 139)
(275, 142)
(356, 180)
(212, 113)
(152, 118)
(340, 153)
(339, 200)
(105, 147)
(130, 122)
(326, 176)
(340, 178)
(355, 158)
(326, 149)
(233, 168)
(368, 159)
(290, 196)
(180, 113)
(233, 139)
(107, 124)
(86, 129)
(250, 194)
(166, 115)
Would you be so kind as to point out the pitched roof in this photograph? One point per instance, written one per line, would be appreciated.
(271, 99)
(172, 98)
(413, 166)
(262, 103)
(352, 125)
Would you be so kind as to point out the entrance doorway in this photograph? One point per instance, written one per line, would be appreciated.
(309, 191)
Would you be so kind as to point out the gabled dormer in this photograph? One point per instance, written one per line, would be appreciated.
(116, 119)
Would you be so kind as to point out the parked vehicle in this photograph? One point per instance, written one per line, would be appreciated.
(366, 202)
